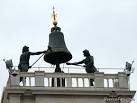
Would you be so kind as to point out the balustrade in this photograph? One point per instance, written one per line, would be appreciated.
(73, 80)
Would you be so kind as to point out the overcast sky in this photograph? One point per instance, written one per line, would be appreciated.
(107, 28)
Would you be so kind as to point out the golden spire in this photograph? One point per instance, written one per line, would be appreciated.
(54, 17)
(55, 28)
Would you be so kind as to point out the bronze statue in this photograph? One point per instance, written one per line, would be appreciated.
(24, 58)
(128, 68)
(89, 64)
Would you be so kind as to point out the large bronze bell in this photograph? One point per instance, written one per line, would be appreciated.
(59, 52)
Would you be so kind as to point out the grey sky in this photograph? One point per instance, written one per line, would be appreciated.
(108, 28)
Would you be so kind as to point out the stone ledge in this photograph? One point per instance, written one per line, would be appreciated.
(68, 91)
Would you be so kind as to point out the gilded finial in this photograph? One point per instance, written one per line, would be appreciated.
(55, 28)
(54, 17)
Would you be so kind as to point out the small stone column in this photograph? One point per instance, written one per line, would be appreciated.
(99, 79)
(123, 80)
(39, 78)
(14, 79)
(69, 81)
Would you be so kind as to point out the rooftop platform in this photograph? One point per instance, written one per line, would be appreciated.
(69, 84)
